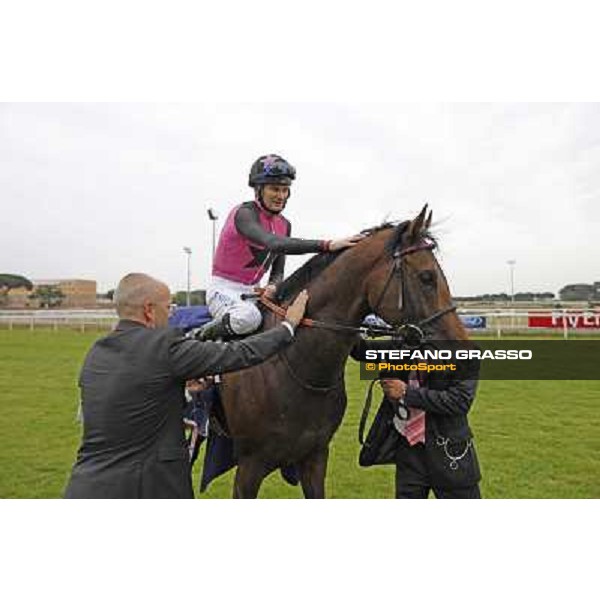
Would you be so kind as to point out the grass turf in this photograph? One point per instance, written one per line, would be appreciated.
(535, 439)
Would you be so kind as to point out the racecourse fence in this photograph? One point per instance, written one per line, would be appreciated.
(565, 323)
(80, 320)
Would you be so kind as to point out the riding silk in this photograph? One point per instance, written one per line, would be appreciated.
(240, 258)
(251, 240)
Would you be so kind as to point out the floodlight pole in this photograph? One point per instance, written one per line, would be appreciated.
(213, 216)
(511, 264)
(188, 252)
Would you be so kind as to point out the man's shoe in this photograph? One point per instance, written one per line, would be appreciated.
(218, 329)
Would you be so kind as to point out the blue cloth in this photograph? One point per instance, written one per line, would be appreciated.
(189, 317)
(220, 457)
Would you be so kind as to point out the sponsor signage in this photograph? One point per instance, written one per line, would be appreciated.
(473, 321)
(560, 320)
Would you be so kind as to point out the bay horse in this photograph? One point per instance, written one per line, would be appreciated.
(286, 410)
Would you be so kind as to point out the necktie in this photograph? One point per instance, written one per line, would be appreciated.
(414, 430)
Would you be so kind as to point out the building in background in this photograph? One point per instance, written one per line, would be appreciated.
(16, 298)
(53, 293)
(77, 293)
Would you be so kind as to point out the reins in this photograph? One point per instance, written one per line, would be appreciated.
(404, 330)
(306, 322)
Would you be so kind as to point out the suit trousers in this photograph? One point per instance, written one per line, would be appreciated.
(413, 479)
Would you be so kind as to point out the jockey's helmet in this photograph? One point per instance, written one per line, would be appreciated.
(271, 169)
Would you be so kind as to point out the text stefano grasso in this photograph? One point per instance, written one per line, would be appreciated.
(472, 354)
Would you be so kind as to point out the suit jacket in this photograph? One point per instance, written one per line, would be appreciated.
(446, 398)
(132, 392)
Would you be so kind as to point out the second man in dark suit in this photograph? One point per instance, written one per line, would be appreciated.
(422, 427)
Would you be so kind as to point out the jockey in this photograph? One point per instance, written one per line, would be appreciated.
(256, 237)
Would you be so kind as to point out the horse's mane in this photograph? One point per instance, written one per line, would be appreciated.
(300, 278)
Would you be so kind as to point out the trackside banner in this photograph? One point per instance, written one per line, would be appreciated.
(494, 359)
(560, 321)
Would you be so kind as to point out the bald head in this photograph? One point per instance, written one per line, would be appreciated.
(137, 293)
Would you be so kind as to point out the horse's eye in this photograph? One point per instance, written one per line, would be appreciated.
(427, 278)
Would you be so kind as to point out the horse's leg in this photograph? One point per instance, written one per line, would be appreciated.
(248, 478)
(312, 473)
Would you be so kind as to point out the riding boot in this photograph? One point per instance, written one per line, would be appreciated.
(218, 329)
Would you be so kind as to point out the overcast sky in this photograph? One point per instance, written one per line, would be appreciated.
(98, 190)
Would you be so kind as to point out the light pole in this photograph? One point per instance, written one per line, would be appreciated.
(188, 252)
(213, 216)
(511, 265)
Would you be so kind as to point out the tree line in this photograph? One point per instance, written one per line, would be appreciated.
(50, 296)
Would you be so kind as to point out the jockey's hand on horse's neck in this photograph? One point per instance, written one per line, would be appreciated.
(270, 291)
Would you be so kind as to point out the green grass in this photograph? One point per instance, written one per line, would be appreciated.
(535, 439)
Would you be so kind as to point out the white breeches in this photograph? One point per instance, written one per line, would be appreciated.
(224, 297)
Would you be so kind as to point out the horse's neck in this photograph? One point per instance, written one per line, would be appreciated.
(339, 294)
(336, 298)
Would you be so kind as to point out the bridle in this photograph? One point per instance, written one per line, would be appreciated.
(407, 330)
(413, 334)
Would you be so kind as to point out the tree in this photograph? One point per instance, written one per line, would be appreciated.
(577, 291)
(197, 297)
(10, 282)
(49, 296)
(15, 281)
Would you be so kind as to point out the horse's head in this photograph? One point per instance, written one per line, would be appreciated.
(407, 285)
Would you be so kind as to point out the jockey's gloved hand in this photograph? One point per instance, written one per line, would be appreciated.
(270, 290)
(335, 245)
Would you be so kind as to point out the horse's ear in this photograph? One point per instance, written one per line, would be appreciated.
(428, 221)
(416, 226)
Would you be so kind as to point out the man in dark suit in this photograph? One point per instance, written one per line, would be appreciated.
(422, 428)
(132, 393)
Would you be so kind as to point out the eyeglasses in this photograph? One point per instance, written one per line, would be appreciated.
(170, 308)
